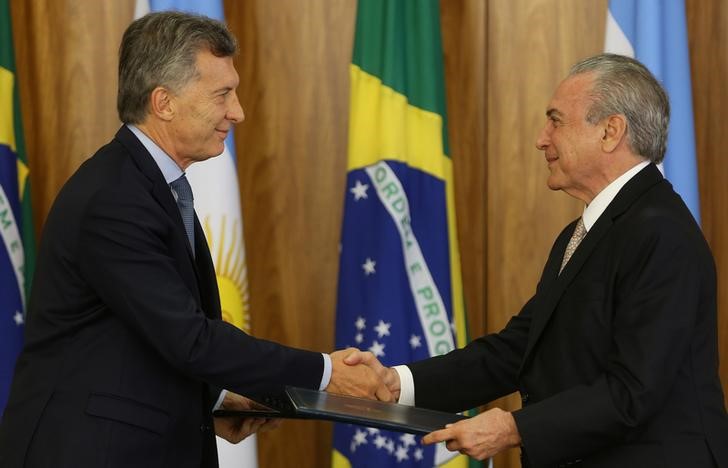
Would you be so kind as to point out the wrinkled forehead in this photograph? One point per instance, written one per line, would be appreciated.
(572, 94)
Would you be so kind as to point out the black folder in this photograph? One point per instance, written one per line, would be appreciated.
(301, 403)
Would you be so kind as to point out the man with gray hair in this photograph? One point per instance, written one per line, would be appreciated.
(615, 356)
(125, 353)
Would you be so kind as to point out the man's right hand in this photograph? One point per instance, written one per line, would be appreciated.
(356, 379)
(388, 375)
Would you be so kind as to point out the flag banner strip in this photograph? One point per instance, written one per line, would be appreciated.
(13, 241)
(429, 304)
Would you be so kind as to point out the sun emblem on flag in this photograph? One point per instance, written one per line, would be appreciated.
(228, 255)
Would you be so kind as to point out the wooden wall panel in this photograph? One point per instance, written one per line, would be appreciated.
(294, 62)
(531, 44)
(67, 54)
(464, 43)
(708, 33)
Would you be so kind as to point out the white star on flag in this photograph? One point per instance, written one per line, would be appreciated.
(380, 441)
(390, 446)
(418, 454)
(382, 328)
(359, 338)
(369, 266)
(360, 323)
(407, 439)
(415, 341)
(401, 454)
(18, 317)
(360, 438)
(377, 348)
(359, 190)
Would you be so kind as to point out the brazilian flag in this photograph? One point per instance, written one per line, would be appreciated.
(400, 289)
(17, 245)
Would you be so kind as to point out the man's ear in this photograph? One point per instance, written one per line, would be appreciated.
(614, 129)
(161, 103)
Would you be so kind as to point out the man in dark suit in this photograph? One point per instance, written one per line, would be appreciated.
(125, 351)
(615, 356)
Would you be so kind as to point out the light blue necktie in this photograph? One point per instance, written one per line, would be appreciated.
(185, 202)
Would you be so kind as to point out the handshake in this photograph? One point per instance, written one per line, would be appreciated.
(359, 373)
(353, 372)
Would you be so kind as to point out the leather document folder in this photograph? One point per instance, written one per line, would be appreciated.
(301, 403)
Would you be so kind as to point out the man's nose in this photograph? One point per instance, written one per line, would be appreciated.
(542, 139)
(235, 113)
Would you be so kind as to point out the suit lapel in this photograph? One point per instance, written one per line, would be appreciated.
(206, 278)
(555, 284)
(147, 166)
(163, 195)
(559, 283)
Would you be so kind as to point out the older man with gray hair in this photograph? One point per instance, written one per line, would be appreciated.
(615, 356)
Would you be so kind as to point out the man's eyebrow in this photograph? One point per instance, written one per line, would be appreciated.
(223, 89)
(553, 112)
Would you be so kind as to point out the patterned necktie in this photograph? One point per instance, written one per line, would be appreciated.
(576, 238)
(185, 202)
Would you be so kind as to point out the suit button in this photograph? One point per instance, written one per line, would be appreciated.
(204, 428)
(524, 398)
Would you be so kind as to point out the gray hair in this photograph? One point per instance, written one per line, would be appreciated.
(622, 85)
(160, 49)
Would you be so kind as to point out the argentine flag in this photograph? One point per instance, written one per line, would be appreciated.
(217, 204)
(655, 33)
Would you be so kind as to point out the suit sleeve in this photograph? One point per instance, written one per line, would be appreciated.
(127, 254)
(657, 303)
(486, 369)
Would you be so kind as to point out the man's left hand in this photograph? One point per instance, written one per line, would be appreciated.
(235, 429)
(479, 437)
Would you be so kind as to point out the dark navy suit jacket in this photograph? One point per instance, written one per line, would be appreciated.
(124, 340)
(616, 358)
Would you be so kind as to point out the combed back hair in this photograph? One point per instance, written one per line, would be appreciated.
(160, 49)
(623, 85)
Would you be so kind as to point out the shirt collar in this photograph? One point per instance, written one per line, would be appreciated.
(594, 210)
(170, 170)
